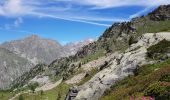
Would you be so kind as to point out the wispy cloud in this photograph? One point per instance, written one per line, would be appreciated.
(103, 4)
(68, 19)
(15, 8)
(15, 24)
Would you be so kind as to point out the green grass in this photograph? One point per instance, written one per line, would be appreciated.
(92, 57)
(58, 92)
(88, 77)
(5, 95)
(138, 85)
(154, 26)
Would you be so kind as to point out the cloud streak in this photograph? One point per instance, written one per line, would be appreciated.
(141, 12)
(69, 19)
(103, 4)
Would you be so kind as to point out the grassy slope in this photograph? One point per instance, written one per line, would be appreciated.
(92, 57)
(5, 95)
(57, 93)
(154, 26)
(138, 85)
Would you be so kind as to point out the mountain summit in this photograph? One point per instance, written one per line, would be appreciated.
(36, 49)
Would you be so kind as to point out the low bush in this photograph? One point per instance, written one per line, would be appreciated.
(158, 92)
(159, 50)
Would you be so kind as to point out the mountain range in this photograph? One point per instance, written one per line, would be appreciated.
(39, 50)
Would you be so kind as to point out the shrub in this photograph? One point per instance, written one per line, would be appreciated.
(21, 97)
(165, 78)
(159, 50)
(157, 91)
(132, 40)
(42, 92)
(33, 86)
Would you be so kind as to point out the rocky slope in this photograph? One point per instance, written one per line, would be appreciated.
(11, 67)
(122, 66)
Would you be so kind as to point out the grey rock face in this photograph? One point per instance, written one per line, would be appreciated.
(72, 48)
(11, 66)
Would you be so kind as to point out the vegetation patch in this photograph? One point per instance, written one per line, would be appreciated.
(88, 76)
(159, 50)
(6, 95)
(158, 91)
(92, 57)
(150, 26)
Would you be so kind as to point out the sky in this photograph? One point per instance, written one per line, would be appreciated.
(67, 20)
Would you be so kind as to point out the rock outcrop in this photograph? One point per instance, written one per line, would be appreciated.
(162, 13)
(123, 65)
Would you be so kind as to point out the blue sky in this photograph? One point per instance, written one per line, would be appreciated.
(67, 20)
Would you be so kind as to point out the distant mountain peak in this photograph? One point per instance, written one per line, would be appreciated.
(34, 36)
(40, 50)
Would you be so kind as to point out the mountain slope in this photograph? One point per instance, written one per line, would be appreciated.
(11, 67)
